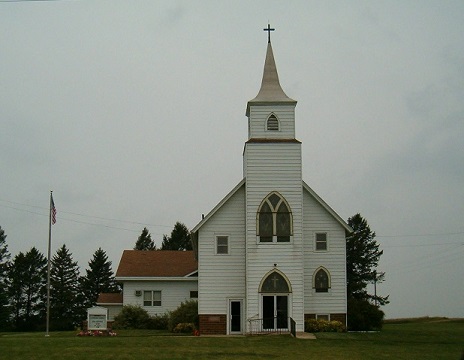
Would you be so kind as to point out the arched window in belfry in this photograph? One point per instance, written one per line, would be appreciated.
(272, 123)
(275, 282)
(274, 219)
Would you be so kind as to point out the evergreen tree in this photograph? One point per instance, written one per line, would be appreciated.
(27, 284)
(4, 261)
(66, 307)
(362, 258)
(144, 242)
(99, 278)
(179, 239)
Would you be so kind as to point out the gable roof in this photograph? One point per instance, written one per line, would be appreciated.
(158, 263)
(327, 207)
(242, 183)
(109, 298)
(218, 206)
(194, 231)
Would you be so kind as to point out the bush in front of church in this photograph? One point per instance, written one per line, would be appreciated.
(364, 316)
(158, 322)
(313, 326)
(131, 317)
(187, 312)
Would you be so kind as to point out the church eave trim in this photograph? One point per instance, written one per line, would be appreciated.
(327, 208)
(267, 141)
(261, 102)
(155, 278)
(218, 206)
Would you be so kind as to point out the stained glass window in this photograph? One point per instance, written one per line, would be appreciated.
(275, 283)
(321, 281)
(274, 219)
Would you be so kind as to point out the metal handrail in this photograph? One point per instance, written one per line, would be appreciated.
(267, 326)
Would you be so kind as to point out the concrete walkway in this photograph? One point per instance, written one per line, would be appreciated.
(305, 335)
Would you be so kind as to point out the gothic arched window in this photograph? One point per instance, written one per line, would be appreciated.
(275, 282)
(272, 123)
(274, 219)
(321, 280)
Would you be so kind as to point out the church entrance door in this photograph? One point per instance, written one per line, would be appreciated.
(235, 319)
(275, 312)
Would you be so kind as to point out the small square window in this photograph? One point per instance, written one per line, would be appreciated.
(222, 245)
(193, 294)
(321, 241)
(323, 317)
(152, 298)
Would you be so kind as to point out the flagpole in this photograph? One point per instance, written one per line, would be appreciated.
(48, 264)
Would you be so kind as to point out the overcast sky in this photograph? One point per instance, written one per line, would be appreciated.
(133, 113)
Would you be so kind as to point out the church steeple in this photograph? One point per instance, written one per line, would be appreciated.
(270, 91)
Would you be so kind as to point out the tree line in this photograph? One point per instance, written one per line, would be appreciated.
(23, 281)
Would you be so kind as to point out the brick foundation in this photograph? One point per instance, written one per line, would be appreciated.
(213, 324)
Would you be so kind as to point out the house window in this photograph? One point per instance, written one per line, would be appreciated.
(152, 298)
(274, 219)
(321, 241)
(272, 123)
(193, 294)
(321, 280)
(222, 245)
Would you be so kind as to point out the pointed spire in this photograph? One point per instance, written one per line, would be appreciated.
(270, 90)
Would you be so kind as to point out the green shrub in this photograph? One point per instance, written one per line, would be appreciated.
(158, 322)
(364, 316)
(187, 312)
(313, 325)
(131, 317)
(184, 328)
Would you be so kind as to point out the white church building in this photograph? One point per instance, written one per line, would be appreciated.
(272, 250)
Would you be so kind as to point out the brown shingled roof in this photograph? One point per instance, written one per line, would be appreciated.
(109, 298)
(161, 263)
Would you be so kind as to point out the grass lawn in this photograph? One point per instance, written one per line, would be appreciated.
(428, 338)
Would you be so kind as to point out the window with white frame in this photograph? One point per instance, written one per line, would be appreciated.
(321, 241)
(274, 219)
(222, 245)
(152, 298)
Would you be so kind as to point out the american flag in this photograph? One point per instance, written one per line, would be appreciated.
(52, 210)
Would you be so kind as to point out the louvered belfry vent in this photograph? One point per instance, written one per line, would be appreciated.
(272, 123)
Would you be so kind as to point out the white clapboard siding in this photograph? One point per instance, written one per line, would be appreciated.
(274, 167)
(222, 276)
(285, 114)
(172, 293)
(317, 219)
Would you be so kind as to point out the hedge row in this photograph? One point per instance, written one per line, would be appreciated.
(313, 325)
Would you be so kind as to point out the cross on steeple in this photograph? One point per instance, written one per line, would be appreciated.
(269, 29)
